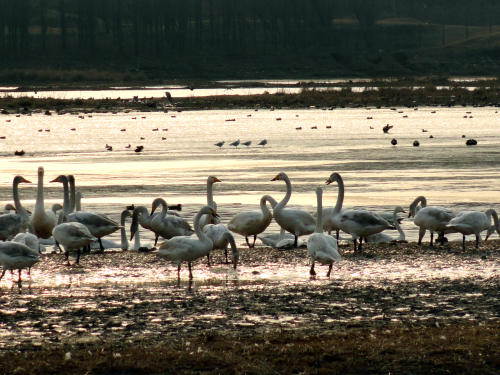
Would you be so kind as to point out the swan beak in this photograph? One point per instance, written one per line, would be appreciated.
(55, 180)
(328, 182)
(277, 177)
(216, 179)
(25, 180)
(214, 214)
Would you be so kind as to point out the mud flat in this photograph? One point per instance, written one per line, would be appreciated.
(396, 308)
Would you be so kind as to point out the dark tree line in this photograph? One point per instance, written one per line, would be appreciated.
(67, 32)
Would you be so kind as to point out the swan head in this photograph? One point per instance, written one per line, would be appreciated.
(9, 207)
(56, 207)
(61, 178)
(399, 209)
(334, 177)
(71, 179)
(157, 203)
(40, 171)
(207, 210)
(19, 179)
(280, 177)
(125, 214)
(213, 179)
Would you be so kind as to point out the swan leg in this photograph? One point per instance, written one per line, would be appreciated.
(208, 259)
(156, 238)
(179, 272)
(312, 272)
(190, 273)
(100, 245)
(421, 234)
(463, 241)
(477, 241)
(78, 255)
(432, 239)
(58, 247)
(225, 254)
(329, 270)
(3, 273)
(360, 249)
(355, 241)
(253, 244)
(19, 281)
(295, 241)
(248, 243)
(337, 231)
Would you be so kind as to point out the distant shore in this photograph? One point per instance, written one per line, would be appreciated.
(399, 93)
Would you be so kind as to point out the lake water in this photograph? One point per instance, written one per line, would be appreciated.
(179, 153)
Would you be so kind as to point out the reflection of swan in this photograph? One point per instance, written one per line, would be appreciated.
(168, 226)
(205, 219)
(322, 247)
(358, 223)
(297, 222)
(252, 223)
(16, 256)
(43, 221)
(385, 238)
(187, 249)
(13, 223)
(72, 236)
(221, 237)
(434, 218)
(473, 222)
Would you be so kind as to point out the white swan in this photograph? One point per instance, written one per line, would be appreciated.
(252, 223)
(221, 238)
(322, 247)
(473, 222)
(168, 226)
(17, 256)
(385, 238)
(211, 180)
(433, 218)
(358, 223)
(13, 223)
(30, 240)
(72, 236)
(42, 220)
(297, 222)
(187, 249)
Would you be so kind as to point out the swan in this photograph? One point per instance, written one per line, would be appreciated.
(13, 223)
(168, 226)
(17, 256)
(473, 222)
(322, 247)
(187, 249)
(30, 240)
(42, 220)
(385, 238)
(434, 218)
(221, 237)
(358, 223)
(72, 236)
(8, 207)
(252, 223)
(66, 207)
(210, 202)
(297, 222)
(123, 234)
(273, 239)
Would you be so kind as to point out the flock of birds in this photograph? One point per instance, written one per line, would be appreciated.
(238, 142)
(23, 234)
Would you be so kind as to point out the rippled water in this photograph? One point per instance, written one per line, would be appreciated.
(350, 141)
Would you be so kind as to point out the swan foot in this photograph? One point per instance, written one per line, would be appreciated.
(3, 273)
(312, 272)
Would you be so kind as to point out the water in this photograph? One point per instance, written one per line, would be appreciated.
(376, 175)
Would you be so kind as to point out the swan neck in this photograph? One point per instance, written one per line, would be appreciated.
(72, 195)
(197, 229)
(492, 213)
(234, 248)
(402, 235)
(287, 196)
(210, 193)
(78, 202)
(17, 201)
(39, 193)
(123, 234)
(66, 203)
(319, 218)
(340, 196)
(263, 206)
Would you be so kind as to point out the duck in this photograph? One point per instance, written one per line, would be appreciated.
(295, 221)
(359, 223)
(167, 226)
(73, 236)
(473, 222)
(188, 249)
(321, 247)
(432, 218)
(17, 256)
(208, 219)
(252, 223)
(43, 221)
(13, 223)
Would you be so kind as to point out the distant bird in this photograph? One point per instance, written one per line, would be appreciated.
(394, 141)
(263, 142)
(169, 97)
(314, 127)
(431, 136)
(416, 143)
(139, 148)
(387, 128)
(424, 130)
(235, 143)
(109, 148)
(299, 128)
(247, 143)
(129, 145)
(220, 144)
(19, 153)
(471, 142)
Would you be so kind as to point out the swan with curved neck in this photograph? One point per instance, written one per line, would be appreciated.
(42, 220)
(252, 223)
(13, 223)
(187, 249)
(432, 218)
(474, 222)
(207, 219)
(385, 238)
(295, 221)
(168, 226)
(66, 207)
(358, 223)
(123, 234)
(321, 247)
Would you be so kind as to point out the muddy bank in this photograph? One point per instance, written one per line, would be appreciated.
(396, 308)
